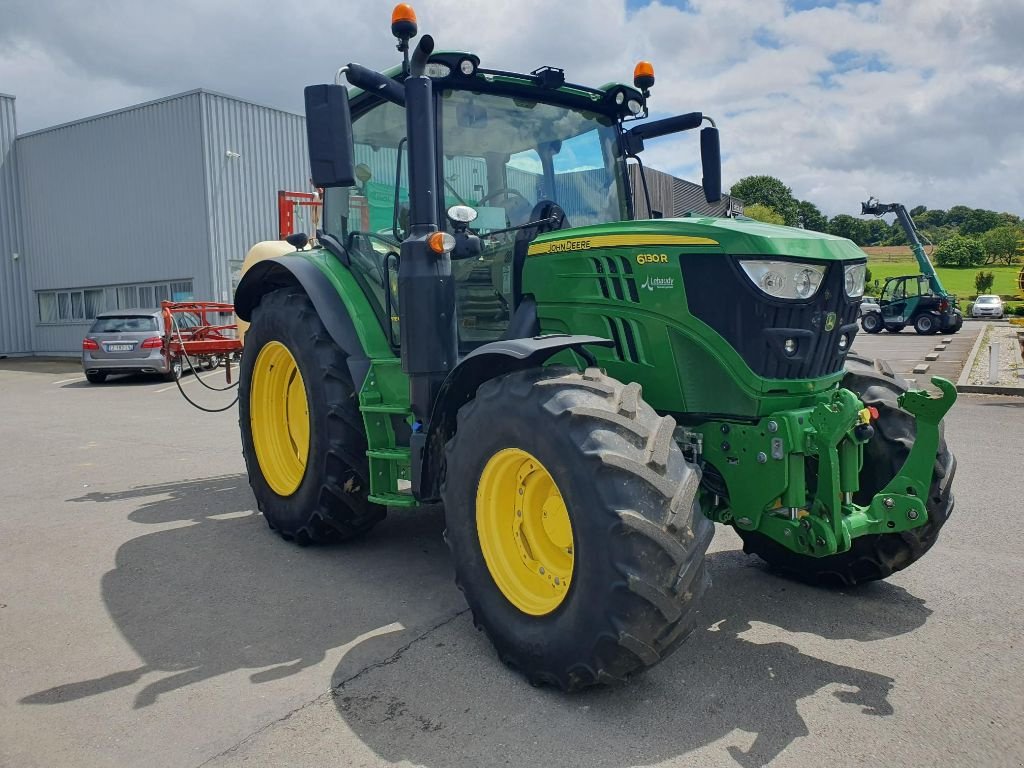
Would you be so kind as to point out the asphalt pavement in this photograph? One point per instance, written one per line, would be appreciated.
(906, 351)
(149, 617)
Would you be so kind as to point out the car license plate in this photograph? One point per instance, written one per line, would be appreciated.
(120, 347)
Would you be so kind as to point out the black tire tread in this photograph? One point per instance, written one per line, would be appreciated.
(337, 513)
(656, 547)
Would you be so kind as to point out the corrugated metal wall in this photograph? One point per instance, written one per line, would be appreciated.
(114, 199)
(242, 191)
(15, 324)
(672, 196)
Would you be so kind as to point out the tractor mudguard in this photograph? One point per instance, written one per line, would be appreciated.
(482, 364)
(266, 276)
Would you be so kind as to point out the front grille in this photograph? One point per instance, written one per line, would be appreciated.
(720, 294)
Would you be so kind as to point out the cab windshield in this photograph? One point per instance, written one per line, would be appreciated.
(502, 156)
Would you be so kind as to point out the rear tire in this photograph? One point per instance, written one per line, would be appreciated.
(638, 537)
(871, 322)
(96, 378)
(330, 502)
(877, 556)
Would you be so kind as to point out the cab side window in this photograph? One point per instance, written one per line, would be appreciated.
(363, 217)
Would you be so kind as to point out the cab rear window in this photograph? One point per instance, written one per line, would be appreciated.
(126, 324)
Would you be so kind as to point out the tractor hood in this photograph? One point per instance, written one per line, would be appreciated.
(706, 234)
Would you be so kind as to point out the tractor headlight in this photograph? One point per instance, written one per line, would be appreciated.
(854, 278)
(785, 279)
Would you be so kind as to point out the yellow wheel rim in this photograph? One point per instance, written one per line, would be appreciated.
(525, 531)
(279, 418)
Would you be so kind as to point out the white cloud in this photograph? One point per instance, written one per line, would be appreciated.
(912, 100)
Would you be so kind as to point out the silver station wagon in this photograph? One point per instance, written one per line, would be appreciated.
(128, 341)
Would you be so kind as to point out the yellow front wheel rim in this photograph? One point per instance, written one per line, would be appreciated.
(279, 418)
(525, 532)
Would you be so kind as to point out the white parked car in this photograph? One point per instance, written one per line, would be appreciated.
(869, 304)
(987, 306)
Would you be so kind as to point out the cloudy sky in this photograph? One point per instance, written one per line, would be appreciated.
(920, 101)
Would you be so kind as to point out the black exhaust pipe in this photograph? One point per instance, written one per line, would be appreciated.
(427, 310)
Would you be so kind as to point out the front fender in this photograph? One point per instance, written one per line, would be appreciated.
(484, 363)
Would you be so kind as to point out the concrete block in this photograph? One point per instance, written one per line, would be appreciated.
(921, 368)
(947, 339)
(940, 347)
(932, 356)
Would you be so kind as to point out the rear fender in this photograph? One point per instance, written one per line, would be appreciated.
(484, 363)
(334, 304)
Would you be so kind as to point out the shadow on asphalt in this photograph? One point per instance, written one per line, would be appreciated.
(718, 681)
(121, 380)
(219, 593)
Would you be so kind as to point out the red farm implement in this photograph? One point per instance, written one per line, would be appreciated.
(202, 333)
(298, 212)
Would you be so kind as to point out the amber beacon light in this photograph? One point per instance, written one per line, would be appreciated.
(643, 75)
(403, 21)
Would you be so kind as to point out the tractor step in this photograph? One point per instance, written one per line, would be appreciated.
(389, 454)
(384, 409)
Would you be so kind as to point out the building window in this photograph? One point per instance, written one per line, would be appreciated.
(182, 291)
(94, 302)
(47, 308)
(82, 304)
(126, 297)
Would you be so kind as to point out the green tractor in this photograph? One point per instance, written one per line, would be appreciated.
(483, 323)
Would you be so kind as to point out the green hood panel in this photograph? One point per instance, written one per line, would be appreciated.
(732, 236)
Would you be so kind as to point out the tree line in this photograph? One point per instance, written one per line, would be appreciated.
(963, 236)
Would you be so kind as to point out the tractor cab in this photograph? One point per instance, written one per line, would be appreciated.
(513, 160)
(517, 155)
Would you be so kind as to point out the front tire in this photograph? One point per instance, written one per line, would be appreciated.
(877, 556)
(574, 528)
(872, 322)
(302, 432)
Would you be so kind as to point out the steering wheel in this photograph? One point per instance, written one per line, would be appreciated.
(503, 191)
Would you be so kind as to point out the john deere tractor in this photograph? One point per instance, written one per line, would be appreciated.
(483, 322)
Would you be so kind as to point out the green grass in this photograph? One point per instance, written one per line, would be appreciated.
(956, 281)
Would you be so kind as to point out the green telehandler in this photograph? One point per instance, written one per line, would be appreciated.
(919, 301)
(483, 322)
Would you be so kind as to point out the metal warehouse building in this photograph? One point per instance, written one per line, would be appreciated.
(161, 201)
(157, 201)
